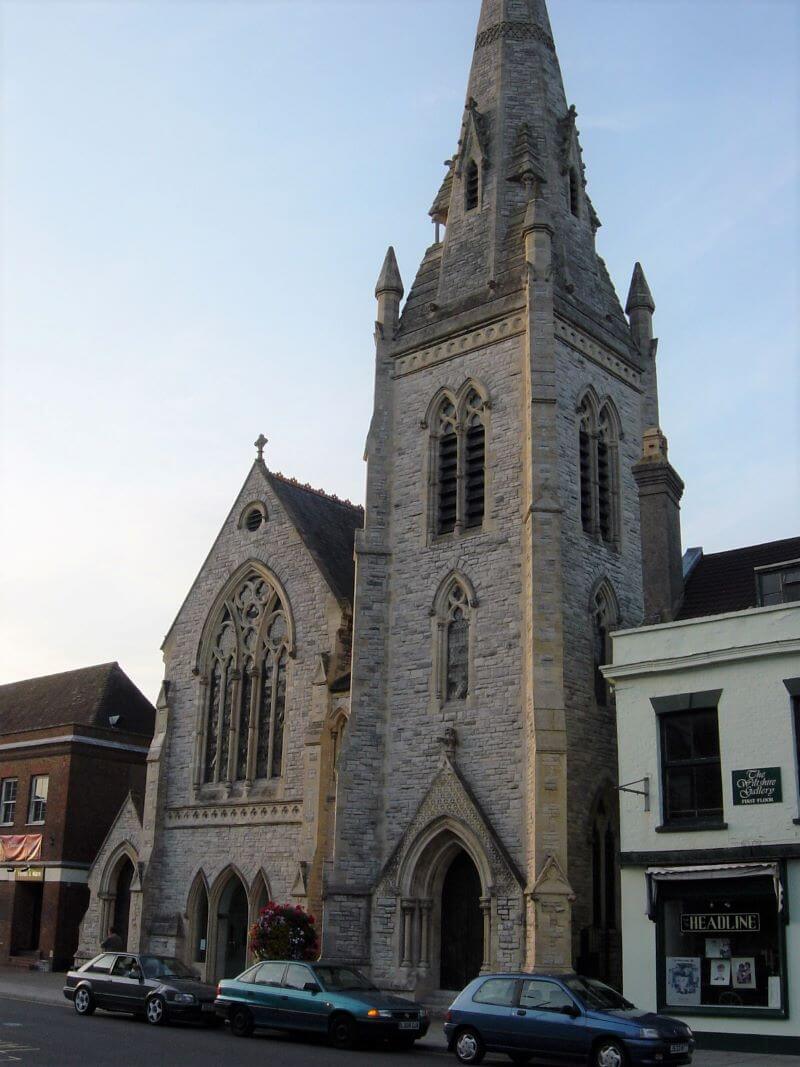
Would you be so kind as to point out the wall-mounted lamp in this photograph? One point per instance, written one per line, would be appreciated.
(643, 792)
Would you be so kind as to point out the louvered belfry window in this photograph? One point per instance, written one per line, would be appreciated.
(460, 460)
(246, 686)
(472, 186)
(448, 471)
(598, 450)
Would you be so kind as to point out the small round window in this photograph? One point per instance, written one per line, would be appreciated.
(253, 519)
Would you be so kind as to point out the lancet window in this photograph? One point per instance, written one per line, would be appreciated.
(459, 462)
(472, 186)
(245, 692)
(605, 619)
(598, 453)
(453, 611)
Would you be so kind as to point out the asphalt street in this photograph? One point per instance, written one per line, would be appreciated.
(44, 1035)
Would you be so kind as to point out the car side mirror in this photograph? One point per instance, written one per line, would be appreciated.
(571, 1009)
(311, 987)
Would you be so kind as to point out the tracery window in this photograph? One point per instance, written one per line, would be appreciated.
(598, 460)
(605, 619)
(453, 611)
(246, 685)
(459, 462)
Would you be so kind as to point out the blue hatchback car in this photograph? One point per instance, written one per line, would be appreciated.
(561, 1019)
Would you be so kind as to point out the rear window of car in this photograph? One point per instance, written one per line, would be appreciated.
(103, 964)
(500, 991)
(269, 974)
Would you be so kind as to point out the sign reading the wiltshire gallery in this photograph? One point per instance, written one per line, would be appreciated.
(759, 785)
(736, 922)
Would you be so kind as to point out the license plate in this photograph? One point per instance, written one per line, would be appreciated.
(409, 1026)
(207, 1007)
(676, 1050)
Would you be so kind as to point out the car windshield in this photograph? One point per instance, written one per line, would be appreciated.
(339, 978)
(164, 967)
(596, 995)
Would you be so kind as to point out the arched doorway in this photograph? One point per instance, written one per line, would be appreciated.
(461, 923)
(232, 926)
(122, 900)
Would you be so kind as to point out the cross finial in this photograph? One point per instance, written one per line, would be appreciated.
(260, 442)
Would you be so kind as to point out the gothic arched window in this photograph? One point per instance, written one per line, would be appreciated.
(453, 611)
(605, 864)
(605, 619)
(598, 456)
(574, 192)
(608, 474)
(586, 449)
(246, 685)
(459, 462)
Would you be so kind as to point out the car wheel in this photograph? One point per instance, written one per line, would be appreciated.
(609, 1053)
(156, 1011)
(469, 1046)
(241, 1022)
(342, 1031)
(84, 1001)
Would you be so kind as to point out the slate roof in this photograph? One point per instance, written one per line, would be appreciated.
(726, 581)
(327, 526)
(85, 697)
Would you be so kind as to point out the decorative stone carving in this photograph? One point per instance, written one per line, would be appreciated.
(514, 31)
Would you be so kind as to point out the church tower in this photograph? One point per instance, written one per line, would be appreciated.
(476, 820)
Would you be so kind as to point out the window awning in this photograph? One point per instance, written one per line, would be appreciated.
(709, 872)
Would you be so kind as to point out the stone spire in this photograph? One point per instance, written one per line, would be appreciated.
(518, 141)
(639, 295)
(389, 292)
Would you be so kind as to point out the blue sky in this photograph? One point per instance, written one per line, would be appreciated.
(197, 198)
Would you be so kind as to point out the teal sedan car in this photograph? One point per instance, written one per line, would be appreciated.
(318, 998)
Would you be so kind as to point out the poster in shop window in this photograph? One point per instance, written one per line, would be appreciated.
(683, 980)
(718, 948)
(743, 969)
(720, 972)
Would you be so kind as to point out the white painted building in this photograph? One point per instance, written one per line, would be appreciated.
(708, 719)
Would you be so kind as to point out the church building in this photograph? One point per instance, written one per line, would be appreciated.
(396, 716)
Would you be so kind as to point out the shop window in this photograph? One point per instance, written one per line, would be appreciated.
(691, 774)
(37, 807)
(8, 801)
(721, 946)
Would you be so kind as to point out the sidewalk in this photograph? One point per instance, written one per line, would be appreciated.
(45, 988)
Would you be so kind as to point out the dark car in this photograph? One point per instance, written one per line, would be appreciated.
(158, 988)
(323, 998)
(562, 1019)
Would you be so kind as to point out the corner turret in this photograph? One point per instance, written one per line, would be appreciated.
(389, 292)
(639, 309)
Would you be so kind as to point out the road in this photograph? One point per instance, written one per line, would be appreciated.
(44, 1035)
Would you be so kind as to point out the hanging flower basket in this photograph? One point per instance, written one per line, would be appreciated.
(283, 932)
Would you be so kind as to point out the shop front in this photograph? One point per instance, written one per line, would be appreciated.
(720, 939)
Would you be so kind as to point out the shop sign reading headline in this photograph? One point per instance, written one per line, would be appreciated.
(759, 785)
(738, 922)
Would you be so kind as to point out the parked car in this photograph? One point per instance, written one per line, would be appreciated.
(157, 988)
(563, 1019)
(322, 998)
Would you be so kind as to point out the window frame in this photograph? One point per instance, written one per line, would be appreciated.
(442, 614)
(779, 569)
(5, 801)
(712, 819)
(33, 800)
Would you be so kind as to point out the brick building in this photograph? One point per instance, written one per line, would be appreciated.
(72, 747)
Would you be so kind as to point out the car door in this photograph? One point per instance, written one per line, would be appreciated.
(98, 974)
(549, 1022)
(126, 985)
(492, 1011)
(264, 994)
(303, 1009)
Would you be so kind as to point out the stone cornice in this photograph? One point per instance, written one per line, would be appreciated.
(616, 672)
(253, 814)
(459, 344)
(581, 342)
